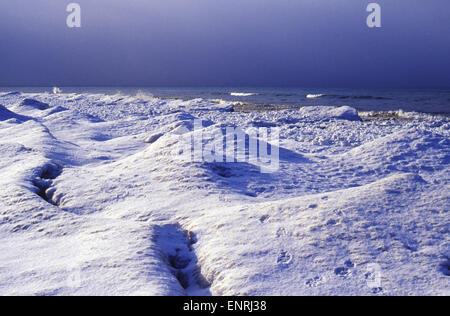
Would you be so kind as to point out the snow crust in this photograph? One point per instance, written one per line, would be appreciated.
(92, 201)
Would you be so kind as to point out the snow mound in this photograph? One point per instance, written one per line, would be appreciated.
(153, 138)
(340, 236)
(32, 103)
(316, 114)
(6, 114)
(15, 93)
(345, 113)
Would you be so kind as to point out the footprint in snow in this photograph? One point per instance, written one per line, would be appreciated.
(445, 267)
(342, 271)
(331, 222)
(284, 258)
(315, 282)
(345, 270)
(377, 290)
(349, 264)
(281, 232)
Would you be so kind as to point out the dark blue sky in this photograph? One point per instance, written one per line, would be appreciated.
(304, 43)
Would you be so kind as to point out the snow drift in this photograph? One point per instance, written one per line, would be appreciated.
(94, 201)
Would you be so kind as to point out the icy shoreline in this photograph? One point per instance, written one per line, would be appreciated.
(92, 202)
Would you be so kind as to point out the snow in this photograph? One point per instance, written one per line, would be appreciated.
(94, 201)
(7, 115)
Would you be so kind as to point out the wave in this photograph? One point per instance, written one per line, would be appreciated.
(314, 96)
(343, 97)
(57, 90)
(145, 96)
(242, 94)
(222, 101)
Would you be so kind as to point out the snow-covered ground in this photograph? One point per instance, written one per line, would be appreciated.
(93, 201)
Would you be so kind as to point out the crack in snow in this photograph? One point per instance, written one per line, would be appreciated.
(44, 181)
(177, 246)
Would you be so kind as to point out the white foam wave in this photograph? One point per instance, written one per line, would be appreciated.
(57, 90)
(242, 94)
(314, 96)
(146, 96)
